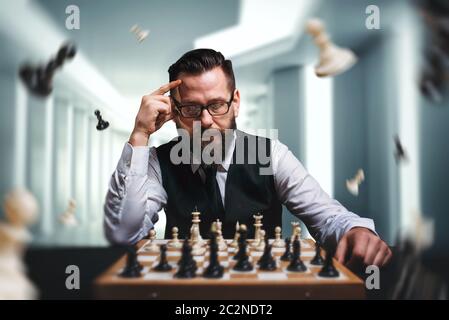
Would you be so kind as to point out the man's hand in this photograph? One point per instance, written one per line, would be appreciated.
(360, 247)
(155, 110)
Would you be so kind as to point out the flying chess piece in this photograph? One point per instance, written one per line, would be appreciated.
(329, 270)
(261, 245)
(187, 265)
(333, 59)
(214, 269)
(163, 264)
(39, 79)
(140, 34)
(287, 254)
(154, 248)
(21, 210)
(220, 240)
(175, 243)
(235, 242)
(68, 218)
(353, 184)
(133, 267)
(257, 227)
(296, 264)
(317, 260)
(400, 155)
(278, 243)
(243, 263)
(267, 262)
(101, 125)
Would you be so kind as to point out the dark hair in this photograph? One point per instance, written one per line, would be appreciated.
(198, 61)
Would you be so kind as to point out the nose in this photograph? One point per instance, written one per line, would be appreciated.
(206, 119)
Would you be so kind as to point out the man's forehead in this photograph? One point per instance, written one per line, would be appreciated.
(210, 84)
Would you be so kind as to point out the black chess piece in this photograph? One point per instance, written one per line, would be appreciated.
(133, 267)
(101, 123)
(267, 262)
(287, 254)
(243, 263)
(296, 264)
(163, 264)
(317, 260)
(187, 265)
(329, 270)
(399, 152)
(214, 269)
(39, 79)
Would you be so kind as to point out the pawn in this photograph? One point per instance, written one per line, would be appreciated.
(267, 262)
(261, 244)
(296, 264)
(278, 243)
(175, 243)
(133, 267)
(287, 254)
(101, 123)
(163, 265)
(153, 248)
(317, 260)
(329, 270)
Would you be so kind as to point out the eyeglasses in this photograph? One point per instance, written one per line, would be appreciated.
(194, 110)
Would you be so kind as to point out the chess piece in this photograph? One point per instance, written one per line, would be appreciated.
(257, 227)
(133, 267)
(154, 248)
(329, 270)
(267, 262)
(140, 34)
(68, 218)
(317, 260)
(333, 60)
(243, 263)
(400, 154)
(261, 245)
(21, 210)
(187, 265)
(296, 264)
(235, 242)
(101, 125)
(39, 79)
(220, 240)
(353, 184)
(175, 243)
(214, 269)
(278, 243)
(163, 265)
(296, 230)
(195, 236)
(287, 254)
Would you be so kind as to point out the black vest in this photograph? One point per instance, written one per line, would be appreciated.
(247, 193)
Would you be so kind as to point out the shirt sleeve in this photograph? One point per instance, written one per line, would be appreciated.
(326, 219)
(135, 196)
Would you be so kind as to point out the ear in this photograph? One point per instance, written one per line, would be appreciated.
(236, 103)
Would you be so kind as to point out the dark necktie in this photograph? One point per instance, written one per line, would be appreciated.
(213, 192)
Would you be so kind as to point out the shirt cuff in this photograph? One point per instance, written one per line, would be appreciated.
(362, 223)
(134, 160)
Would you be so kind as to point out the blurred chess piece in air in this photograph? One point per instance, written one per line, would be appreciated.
(333, 59)
(353, 184)
(101, 125)
(39, 79)
(400, 155)
(21, 210)
(140, 34)
(68, 218)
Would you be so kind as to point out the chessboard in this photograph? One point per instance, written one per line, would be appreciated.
(256, 284)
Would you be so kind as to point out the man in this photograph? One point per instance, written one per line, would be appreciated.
(202, 91)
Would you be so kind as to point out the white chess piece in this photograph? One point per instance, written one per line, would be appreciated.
(174, 243)
(333, 59)
(261, 245)
(68, 218)
(21, 209)
(353, 184)
(278, 243)
(140, 34)
(257, 227)
(220, 241)
(154, 248)
(235, 242)
(295, 226)
(195, 236)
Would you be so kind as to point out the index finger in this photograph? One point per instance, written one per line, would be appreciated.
(167, 87)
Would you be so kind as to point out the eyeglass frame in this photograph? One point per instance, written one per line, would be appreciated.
(178, 107)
